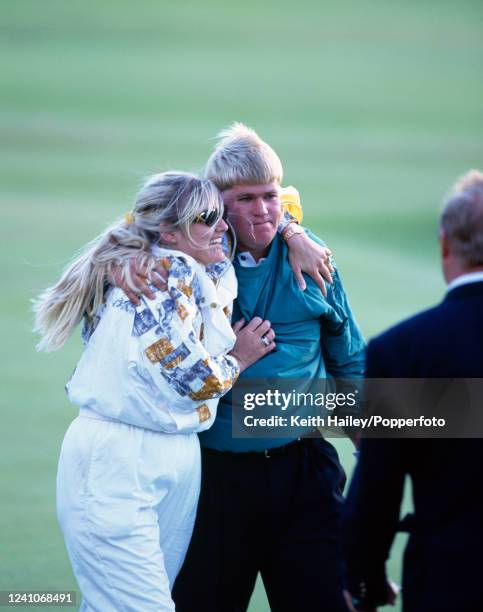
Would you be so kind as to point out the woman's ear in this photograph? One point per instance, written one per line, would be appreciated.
(167, 237)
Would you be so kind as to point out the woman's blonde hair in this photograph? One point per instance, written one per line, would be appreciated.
(170, 199)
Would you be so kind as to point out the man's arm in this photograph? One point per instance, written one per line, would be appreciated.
(371, 518)
(372, 508)
(342, 342)
(343, 350)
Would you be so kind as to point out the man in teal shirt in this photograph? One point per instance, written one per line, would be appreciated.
(270, 505)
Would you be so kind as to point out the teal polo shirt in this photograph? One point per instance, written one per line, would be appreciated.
(316, 337)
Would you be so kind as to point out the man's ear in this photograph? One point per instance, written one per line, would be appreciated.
(445, 245)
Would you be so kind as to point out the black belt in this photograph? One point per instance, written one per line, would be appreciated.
(270, 452)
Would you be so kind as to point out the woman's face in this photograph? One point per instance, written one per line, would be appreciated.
(205, 244)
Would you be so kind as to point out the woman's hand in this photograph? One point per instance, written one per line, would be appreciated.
(253, 341)
(133, 277)
(305, 255)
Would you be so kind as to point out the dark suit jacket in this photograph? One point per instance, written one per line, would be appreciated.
(443, 559)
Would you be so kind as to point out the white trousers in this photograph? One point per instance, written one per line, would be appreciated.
(126, 502)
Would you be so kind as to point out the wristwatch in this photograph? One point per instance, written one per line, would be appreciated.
(292, 229)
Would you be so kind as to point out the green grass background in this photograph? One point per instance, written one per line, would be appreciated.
(374, 107)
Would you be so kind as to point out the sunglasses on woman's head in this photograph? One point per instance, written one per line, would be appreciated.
(209, 218)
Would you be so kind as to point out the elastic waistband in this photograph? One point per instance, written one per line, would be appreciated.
(92, 414)
(88, 413)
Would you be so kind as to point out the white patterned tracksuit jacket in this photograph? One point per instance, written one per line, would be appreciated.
(163, 364)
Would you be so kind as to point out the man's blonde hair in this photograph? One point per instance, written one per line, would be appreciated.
(241, 157)
(462, 219)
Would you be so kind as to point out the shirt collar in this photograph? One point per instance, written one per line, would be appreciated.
(246, 260)
(466, 279)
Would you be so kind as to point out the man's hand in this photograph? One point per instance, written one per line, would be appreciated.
(348, 600)
(356, 439)
(350, 605)
(307, 256)
(392, 590)
(133, 278)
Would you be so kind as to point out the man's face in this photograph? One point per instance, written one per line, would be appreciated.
(254, 212)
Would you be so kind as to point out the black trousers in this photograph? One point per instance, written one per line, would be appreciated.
(277, 515)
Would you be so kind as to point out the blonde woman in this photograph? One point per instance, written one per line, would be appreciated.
(149, 379)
